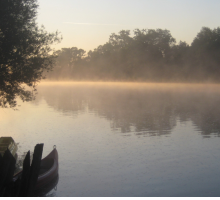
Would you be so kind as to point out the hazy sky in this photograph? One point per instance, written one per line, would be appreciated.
(87, 24)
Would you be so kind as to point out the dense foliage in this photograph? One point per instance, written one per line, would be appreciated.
(147, 55)
(25, 51)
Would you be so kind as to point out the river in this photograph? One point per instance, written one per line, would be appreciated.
(124, 139)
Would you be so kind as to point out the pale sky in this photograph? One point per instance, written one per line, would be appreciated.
(87, 24)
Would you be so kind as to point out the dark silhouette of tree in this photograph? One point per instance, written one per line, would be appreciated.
(177, 62)
(67, 63)
(131, 58)
(147, 55)
(205, 54)
(24, 50)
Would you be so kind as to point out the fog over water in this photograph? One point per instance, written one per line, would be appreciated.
(139, 113)
(151, 107)
(125, 139)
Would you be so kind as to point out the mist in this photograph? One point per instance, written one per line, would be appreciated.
(148, 55)
(136, 116)
(152, 109)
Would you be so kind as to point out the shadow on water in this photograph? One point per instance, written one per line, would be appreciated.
(149, 109)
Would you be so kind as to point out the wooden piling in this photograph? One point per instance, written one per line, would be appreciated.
(35, 168)
(25, 176)
(7, 167)
(24, 186)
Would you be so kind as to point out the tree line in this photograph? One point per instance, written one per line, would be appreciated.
(145, 55)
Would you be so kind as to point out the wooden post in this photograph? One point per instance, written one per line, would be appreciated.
(35, 168)
(25, 176)
(7, 167)
(24, 185)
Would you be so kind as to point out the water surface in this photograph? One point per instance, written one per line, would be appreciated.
(124, 139)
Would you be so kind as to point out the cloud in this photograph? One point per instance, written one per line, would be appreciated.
(95, 24)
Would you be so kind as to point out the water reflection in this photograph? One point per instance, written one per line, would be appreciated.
(147, 109)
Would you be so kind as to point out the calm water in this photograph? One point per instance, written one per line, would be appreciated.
(124, 139)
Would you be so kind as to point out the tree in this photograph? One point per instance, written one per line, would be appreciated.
(122, 40)
(25, 50)
(205, 53)
(67, 61)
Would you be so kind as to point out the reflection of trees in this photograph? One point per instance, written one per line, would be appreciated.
(202, 107)
(147, 110)
(63, 99)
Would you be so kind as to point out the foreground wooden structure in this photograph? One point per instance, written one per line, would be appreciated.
(48, 171)
(24, 186)
(8, 143)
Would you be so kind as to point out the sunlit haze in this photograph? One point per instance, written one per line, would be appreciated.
(125, 105)
(87, 24)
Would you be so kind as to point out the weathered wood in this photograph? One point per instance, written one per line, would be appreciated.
(16, 188)
(11, 168)
(4, 168)
(35, 168)
(24, 185)
(9, 184)
(25, 176)
(7, 168)
(0, 159)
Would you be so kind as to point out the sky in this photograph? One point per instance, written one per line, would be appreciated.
(87, 24)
